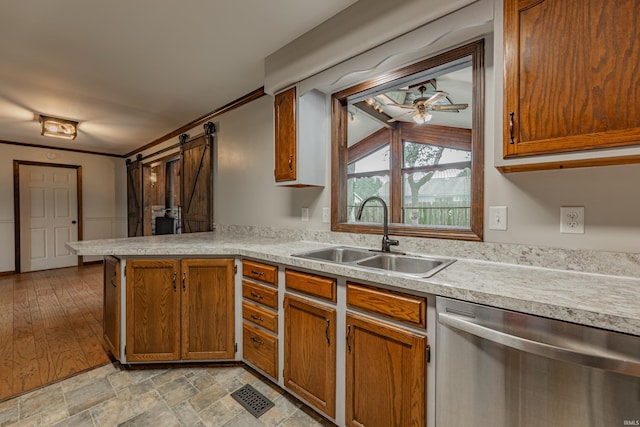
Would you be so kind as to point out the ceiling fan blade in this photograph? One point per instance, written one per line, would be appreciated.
(401, 116)
(449, 107)
(400, 105)
(435, 97)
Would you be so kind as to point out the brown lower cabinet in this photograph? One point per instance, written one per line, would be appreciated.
(111, 305)
(180, 309)
(385, 374)
(260, 314)
(310, 352)
(260, 349)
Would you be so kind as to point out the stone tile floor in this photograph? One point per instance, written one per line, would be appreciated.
(184, 396)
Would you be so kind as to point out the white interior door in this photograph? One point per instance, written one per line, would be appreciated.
(48, 217)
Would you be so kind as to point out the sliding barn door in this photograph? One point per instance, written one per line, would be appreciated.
(135, 201)
(197, 184)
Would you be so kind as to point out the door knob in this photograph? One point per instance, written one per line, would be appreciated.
(73, 222)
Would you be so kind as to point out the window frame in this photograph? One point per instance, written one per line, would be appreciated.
(340, 153)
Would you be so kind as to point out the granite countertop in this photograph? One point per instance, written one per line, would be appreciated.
(599, 300)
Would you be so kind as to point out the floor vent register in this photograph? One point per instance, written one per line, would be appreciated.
(252, 400)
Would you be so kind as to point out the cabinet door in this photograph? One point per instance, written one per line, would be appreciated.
(153, 310)
(207, 309)
(571, 75)
(310, 352)
(285, 136)
(111, 305)
(385, 375)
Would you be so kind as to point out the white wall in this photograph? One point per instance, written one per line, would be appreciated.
(104, 210)
(245, 191)
(247, 195)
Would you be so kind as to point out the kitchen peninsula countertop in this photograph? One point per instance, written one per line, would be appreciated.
(603, 301)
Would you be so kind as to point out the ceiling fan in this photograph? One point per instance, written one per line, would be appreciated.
(423, 104)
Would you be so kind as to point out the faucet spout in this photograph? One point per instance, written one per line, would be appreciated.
(386, 241)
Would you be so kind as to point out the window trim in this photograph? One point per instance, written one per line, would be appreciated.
(339, 151)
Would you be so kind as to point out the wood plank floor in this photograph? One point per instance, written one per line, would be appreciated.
(50, 327)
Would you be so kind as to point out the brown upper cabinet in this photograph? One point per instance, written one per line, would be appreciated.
(571, 75)
(301, 137)
(285, 138)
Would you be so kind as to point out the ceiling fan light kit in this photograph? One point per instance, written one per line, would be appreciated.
(422, 118)
(58, 128)
(425, 103)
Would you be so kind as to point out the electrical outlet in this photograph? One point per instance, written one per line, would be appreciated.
(305, 214)
(572, 219)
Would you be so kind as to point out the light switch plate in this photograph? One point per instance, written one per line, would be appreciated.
(497, 217)
(326, 215)
(305, 214)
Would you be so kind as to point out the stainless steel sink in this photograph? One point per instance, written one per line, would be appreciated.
(339, 254)
(411, 265)
(419, 266)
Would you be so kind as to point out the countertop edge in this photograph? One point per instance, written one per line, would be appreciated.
(277, 252)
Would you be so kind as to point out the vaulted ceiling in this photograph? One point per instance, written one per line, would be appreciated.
(131, 71)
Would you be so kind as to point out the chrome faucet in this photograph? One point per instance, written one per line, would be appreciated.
(386, 241)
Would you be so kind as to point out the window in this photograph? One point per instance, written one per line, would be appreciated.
(416, 142)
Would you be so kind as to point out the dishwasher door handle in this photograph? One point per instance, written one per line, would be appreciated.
(596, 358)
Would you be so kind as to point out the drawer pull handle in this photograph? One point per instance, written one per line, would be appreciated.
(184, 278)
(255, 295)
(511, 141)
(256, 340)
(174, 281)
(113, 280)
(326, 332)
(257, 273)
(348, 333)
(291, 163)
(254, 317)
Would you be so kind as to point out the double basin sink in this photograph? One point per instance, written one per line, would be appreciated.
(412, 265)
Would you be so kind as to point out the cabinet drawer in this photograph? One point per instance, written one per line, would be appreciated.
(260, 316)
(260, 293)
(263, 272)
(322, 287)
(260, 349)
(402, 307)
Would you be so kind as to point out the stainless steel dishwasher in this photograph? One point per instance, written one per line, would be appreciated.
(499, 368)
